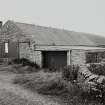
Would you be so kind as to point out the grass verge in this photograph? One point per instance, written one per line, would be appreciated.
(52, 85)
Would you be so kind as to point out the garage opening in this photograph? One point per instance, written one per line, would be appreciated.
(54, 59)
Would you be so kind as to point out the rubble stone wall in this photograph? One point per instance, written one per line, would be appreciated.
(78, 57)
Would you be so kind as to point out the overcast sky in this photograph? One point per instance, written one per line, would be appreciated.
(78, 15)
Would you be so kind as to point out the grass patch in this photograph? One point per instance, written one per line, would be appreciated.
(46, 83)
(52, 85)
(18, 69)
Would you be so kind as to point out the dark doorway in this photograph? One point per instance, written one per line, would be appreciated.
(2, 50)
(54, 59)
(13, 50)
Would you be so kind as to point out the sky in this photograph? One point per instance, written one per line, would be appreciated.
(76, 15)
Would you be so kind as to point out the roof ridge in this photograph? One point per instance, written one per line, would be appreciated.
(62, 29)
(47, 35)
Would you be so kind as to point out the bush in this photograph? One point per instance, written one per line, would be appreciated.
(98, 69)
(25, 62)
(70, 72)
(21, 61)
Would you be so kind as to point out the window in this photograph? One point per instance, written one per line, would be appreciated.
(95, 57)
(91, 58)
(6, 47)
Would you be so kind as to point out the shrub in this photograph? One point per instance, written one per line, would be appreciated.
(98, 69)
(25, 62)
(70, 72)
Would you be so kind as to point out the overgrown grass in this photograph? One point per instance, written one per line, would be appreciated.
(19, 69)
(24, 69)
(53, 85)
(46, 83)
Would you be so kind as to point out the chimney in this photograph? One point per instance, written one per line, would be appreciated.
(1, 24)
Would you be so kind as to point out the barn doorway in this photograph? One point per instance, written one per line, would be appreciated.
(13, 50)
(54, 59)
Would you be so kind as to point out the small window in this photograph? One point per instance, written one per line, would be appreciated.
(6, 47)
(92, 58)
(95, 57)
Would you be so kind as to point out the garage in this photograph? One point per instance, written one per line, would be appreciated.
(54, 59)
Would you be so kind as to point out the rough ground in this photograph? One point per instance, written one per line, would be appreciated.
(11, 94)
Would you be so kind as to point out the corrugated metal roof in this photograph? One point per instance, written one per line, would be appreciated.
(52, 36)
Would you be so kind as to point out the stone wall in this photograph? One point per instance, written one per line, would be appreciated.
(38, 57)
(78, 57)
(26, 51)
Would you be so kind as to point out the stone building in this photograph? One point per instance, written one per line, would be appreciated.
(49, 46)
